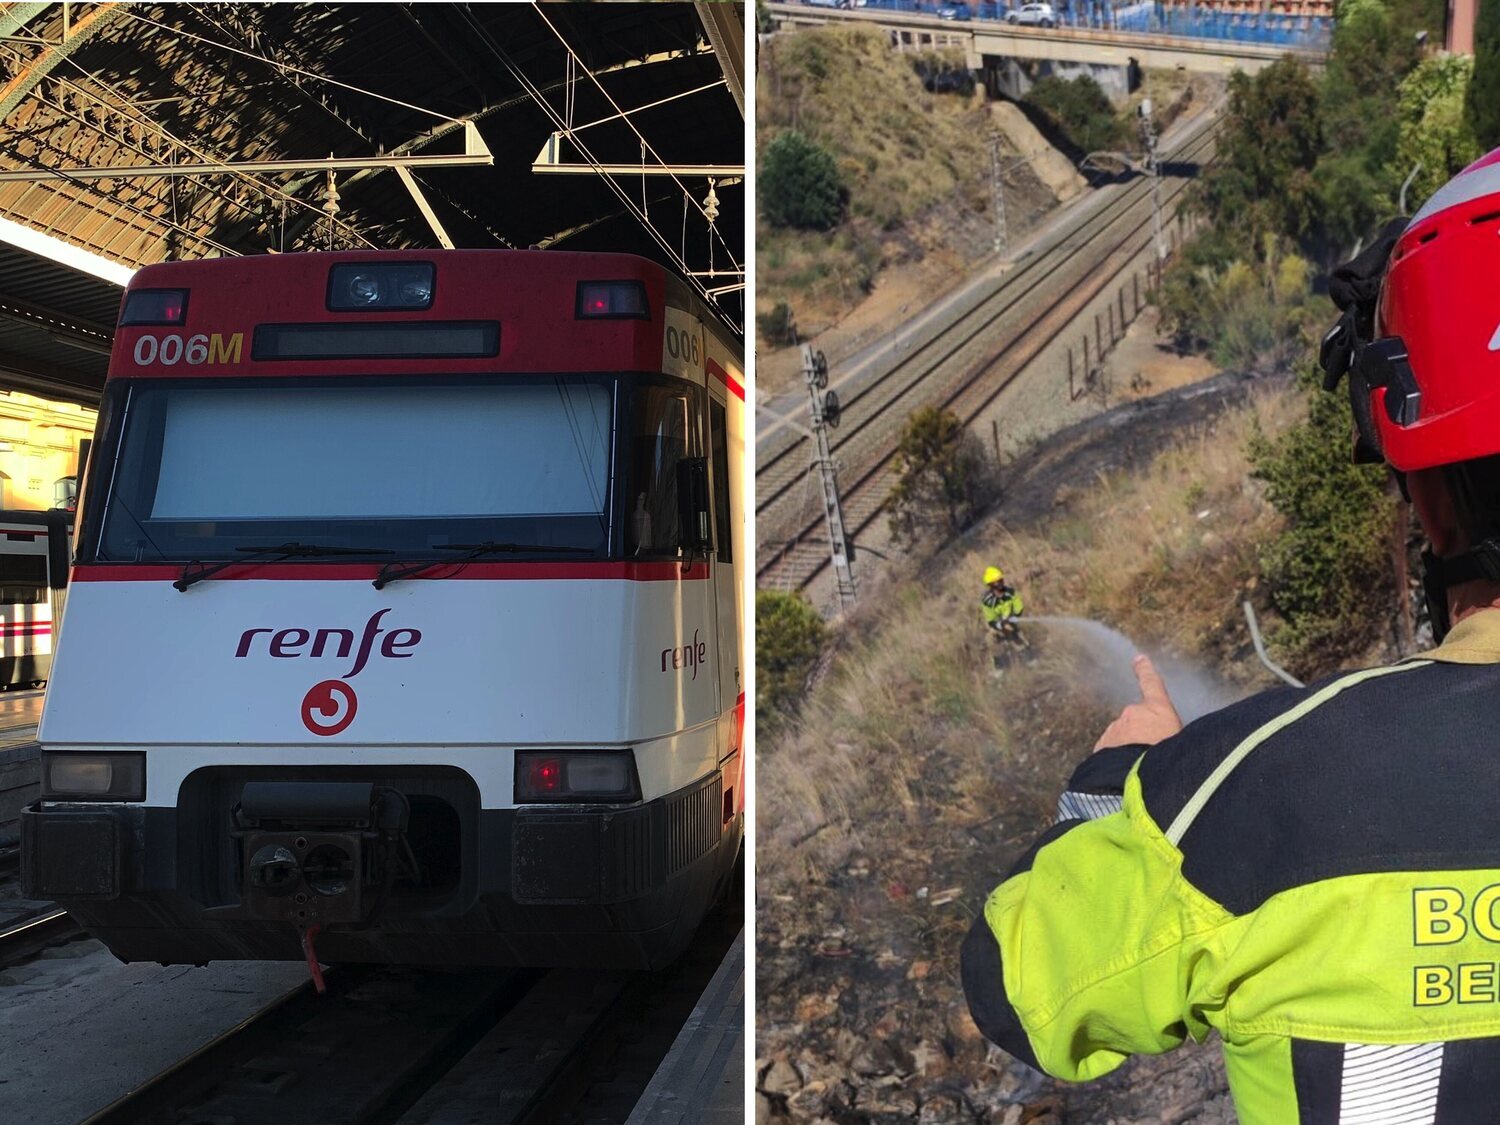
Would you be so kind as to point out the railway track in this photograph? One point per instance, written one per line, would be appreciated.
(29, 936)
(958, 368)
(421, 1047)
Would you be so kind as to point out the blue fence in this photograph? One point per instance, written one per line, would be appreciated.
(1303, 32)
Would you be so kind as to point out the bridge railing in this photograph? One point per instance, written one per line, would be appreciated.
(1309, 33)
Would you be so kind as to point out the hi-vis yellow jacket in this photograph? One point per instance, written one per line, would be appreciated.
(1313, 873)
(997, 606)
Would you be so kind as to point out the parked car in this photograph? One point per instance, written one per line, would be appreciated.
(1037, 15)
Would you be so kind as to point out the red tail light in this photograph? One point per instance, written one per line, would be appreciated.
(612, 300)
(607, 776)
(154, 306)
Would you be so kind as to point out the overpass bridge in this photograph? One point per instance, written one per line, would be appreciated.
(986, 42)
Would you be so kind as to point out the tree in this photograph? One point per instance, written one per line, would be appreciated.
(1434, 131)
(798, 184)
(942, 476)
(789, 636)
(1482, 102)
(1262, 182)
(1080, 109)
(1330, 566)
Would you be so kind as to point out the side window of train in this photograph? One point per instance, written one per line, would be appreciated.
(719, 435)
(661, 436)
(23, 579)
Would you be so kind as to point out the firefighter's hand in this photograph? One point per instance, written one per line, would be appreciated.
(1147, 722)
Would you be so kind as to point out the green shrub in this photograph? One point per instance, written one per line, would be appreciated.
(798, 184)
(1245, 314)
(1434, 130)
(1482, 102)
(1331, 565)
(1080, 110)
(777, 327)
(944, 72)
(943, 477)
(789, 637)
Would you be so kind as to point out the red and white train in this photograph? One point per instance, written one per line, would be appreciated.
(33, 585)
(407, 613)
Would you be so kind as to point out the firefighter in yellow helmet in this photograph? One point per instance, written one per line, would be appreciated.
(1001, 604)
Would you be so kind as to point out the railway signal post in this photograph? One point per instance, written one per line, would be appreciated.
(825, 412)
(999, 190)
(1153, 169)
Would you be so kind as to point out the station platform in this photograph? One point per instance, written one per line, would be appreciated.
(702, 1078)
(20, 757)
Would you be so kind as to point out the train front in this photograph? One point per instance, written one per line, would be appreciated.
(403, 617)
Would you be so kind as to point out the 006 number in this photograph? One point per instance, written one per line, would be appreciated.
(194, 350)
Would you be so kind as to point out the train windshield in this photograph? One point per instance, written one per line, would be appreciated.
(205, 467)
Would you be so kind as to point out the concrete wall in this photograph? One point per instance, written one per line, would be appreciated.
(1011, 78)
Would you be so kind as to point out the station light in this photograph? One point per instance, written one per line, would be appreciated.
(576, 775)
(154, 306)
(76, 776)
(612, 300)
(381, 285)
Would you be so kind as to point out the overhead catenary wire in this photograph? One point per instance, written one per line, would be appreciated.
(287, 68)
(123, 107)
(624, 196)
(645, 144)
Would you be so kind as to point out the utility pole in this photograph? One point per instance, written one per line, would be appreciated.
(825, 414)
(999, 189)
(1153, 168)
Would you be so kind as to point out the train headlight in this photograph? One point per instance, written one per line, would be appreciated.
(576, 775)
(416, 291)
(77, 776)
(380, 285)
(364, 289)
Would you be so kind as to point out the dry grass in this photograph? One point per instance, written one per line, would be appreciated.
(902, 152)
(910, 730)
(1161, 555)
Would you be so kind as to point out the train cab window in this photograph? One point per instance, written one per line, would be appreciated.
(406, 466)
(23, 579)
(663, 430)
(719, 434)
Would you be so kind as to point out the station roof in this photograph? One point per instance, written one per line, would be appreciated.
(235, 87)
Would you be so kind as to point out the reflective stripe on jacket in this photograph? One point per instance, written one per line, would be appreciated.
(1313, 873)
(997, 606)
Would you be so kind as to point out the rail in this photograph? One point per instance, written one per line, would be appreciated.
(937, 370)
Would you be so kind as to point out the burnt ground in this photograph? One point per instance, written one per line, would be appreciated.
(1122, 439)
(861, 1016)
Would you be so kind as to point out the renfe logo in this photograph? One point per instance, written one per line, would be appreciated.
(686, 656)
(328, 708)
(287, 644)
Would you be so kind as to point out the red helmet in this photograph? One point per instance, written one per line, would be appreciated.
(1426, 385)
(1420, 340)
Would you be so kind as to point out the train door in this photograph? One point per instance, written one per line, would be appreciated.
(726, 582)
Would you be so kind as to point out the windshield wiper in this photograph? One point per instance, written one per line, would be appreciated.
(470, 551)
(285, 551)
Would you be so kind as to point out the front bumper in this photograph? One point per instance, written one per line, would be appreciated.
(620, 887)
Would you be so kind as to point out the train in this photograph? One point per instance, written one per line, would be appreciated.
(34, 552)
(407, 616)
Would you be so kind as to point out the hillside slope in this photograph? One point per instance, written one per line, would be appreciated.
(915, 778)
(916, 165)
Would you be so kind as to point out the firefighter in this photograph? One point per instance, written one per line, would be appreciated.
(1312, 873)
(1001, 604)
